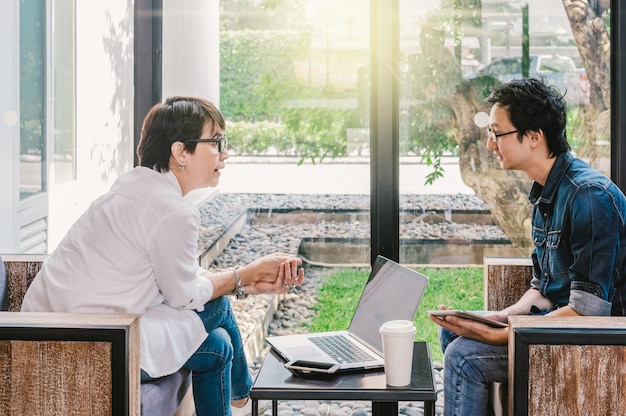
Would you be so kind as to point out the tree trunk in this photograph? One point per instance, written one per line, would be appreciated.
(504, 192)
(594, 46)
(592, 38)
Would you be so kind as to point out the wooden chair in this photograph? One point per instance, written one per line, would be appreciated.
(557, 366)
(75, 364)
(567, 366)
(506, 279)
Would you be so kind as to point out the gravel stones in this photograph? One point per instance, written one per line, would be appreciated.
(218, 214)
(296, 309)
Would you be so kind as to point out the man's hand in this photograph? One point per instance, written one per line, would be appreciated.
(475, 330)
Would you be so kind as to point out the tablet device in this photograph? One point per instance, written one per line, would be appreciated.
(468, 315)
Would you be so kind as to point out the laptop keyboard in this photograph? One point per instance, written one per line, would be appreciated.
(341, 349)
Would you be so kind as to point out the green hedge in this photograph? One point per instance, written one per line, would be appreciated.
(257, 72)
(258, 87)
(309, 133)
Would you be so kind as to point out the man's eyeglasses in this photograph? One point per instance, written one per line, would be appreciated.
(494, 137)
(221, 142)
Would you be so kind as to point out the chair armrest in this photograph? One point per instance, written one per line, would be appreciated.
(506, 279)
(60, 363)
(21, 269)
(566, 365)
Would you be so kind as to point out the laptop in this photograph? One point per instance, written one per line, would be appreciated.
(391, 292)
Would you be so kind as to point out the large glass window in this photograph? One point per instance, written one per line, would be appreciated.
(452, 52)
(295, 87)
(295, 91)
(32, 97)
(64, 91)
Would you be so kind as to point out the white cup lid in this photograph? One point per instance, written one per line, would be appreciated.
(398, 327)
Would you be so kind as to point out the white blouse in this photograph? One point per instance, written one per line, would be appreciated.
(133, 251)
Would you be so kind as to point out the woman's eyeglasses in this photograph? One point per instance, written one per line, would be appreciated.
(221, 142)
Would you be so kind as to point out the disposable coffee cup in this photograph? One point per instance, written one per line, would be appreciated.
(397, 337)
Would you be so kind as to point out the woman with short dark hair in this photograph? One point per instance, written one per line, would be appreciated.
(135, 251)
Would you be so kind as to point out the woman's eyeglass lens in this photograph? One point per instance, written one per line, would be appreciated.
(221, 142)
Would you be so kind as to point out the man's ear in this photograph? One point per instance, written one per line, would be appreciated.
(536, 137)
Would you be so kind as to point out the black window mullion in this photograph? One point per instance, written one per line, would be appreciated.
(148, 58)
(384, 129)
(618, 93)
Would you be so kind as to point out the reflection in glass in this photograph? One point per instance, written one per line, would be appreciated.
(32, 97)
(452, 54)
(65, 91)
(295, 93)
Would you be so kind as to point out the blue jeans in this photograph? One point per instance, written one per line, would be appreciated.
(219, 369)
(469, 368)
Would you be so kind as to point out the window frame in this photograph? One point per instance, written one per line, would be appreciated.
(384, 113)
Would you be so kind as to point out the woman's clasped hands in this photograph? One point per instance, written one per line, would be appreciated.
(275, 273)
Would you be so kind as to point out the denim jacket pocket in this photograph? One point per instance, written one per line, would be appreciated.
(547, 247)
(557, 264)
(539, 237)
(553, 240)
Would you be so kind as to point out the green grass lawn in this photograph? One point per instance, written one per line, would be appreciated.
(461, 288)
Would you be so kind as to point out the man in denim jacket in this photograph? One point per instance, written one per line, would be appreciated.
(579, 236)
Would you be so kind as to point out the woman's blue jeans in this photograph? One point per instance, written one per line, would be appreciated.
(469, 368)
(219, 369)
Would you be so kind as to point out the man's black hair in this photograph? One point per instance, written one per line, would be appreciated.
(532, 105)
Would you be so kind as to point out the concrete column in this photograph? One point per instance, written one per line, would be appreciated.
(191, 55)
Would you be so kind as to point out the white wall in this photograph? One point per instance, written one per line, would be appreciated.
(105, 99)
(191, 59)
(9, 127)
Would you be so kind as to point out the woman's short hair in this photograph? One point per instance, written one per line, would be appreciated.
(533, 105)
(176, 119)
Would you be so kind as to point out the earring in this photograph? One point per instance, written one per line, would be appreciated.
(181, 167)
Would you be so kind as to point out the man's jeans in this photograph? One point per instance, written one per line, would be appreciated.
(218, 362)
(469, 368)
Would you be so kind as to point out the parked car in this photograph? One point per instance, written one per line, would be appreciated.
(558, 70)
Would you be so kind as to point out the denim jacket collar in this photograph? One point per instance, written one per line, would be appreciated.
(545, 194)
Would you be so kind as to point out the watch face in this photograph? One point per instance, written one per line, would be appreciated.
(240, 292)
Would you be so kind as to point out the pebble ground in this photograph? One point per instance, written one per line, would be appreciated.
(296, 308)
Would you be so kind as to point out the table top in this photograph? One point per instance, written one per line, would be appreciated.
(275, 382)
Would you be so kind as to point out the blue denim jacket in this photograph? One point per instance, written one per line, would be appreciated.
(579, 237)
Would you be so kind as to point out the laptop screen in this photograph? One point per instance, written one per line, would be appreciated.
(392, 292)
